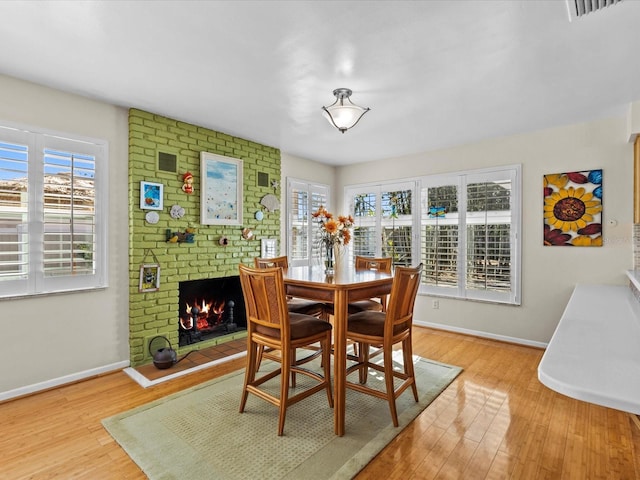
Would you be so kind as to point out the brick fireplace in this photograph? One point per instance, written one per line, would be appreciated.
(152, 137)
(209, 309)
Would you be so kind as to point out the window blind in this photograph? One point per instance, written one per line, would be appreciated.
(53, 221)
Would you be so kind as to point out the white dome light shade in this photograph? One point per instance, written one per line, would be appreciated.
(343, 114)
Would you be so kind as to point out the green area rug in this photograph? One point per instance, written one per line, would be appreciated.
(199, 434)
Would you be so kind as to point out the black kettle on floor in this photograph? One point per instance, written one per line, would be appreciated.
(163, 355)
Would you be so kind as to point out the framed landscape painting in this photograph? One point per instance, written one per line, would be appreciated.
(221, 190)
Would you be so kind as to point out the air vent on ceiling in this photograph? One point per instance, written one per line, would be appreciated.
(579, 8)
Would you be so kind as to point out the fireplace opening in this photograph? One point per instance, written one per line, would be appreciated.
(210, 308)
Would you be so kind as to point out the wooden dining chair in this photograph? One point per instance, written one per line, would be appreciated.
(271, 325)
(379, 304)
(295, 305)
(382, 264)
(387, 329)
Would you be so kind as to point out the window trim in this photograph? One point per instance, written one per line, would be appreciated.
(378, 188)
(515, 174)
(38, 139)
(310, 188)
(515, 295)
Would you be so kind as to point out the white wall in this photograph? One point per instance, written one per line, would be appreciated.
(301, 169)
(52, 339)
(549, 273)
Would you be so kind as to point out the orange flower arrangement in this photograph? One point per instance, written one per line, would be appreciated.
(332, 231)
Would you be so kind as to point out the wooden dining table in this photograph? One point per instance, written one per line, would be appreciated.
(345, 286)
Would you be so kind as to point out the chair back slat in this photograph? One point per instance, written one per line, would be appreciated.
(382, 264)
(282, 262)
(406, 281)
(264, 295)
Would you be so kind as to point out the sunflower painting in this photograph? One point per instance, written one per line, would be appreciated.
(573, 209)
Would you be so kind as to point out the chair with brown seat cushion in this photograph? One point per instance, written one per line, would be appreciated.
(296, 305)
(387, 329)
(379, 304)
(271, 325)
(382, 264)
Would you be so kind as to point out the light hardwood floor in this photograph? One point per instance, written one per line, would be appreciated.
(494, 421)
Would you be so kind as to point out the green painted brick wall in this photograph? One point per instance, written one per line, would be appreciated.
(156, 313)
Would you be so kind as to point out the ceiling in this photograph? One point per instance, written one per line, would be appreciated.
(434, 73)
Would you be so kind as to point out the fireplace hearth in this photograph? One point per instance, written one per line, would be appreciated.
(210, 308)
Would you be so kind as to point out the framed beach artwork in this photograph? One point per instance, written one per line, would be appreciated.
(572, 209)
(221, 190)
(151, 195)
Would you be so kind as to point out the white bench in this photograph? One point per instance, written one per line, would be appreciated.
(594, 354)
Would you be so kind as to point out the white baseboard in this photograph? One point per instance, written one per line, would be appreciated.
(477, 333)
(56, 382)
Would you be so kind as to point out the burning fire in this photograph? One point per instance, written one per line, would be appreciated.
(207, 313)
(201, 310)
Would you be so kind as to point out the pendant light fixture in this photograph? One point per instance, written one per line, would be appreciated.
(344, 114)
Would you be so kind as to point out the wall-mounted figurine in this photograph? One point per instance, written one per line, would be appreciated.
(187, 187)
(188, 236)
(247, 233)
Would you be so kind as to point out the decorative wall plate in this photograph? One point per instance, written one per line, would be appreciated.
(270, 202)
(176, 211)
(259, 215)
(152, 217)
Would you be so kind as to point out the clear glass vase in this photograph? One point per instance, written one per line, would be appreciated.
(329, 261)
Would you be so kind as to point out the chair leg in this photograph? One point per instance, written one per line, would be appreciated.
(259, 356)
(388, 380)
(250, 372)
(259, 361)
(407, 355)
(363, 357)
(326, 364)
(293, 362)
(284, 388)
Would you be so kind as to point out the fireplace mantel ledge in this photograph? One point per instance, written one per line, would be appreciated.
(594, 354)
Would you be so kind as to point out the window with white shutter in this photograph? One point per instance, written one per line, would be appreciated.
(52, 212)
(14, 211)
(464, 228)
(383, 221)
(304, 198)
(470, 234)
(440, 229)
